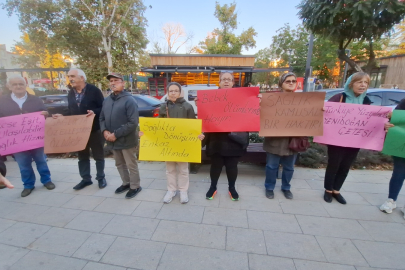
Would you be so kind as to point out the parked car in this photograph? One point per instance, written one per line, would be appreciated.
(147, 106)
(378, 96)
(38, 88)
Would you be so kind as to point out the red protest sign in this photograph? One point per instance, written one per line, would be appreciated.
(229, 110)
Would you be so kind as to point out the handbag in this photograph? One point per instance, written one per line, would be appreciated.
(299, 144)
(240, 137)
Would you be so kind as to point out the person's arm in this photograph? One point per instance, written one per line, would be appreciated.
(99, 99)
(5, 182)
(191, 113)
(102, 121)
(133, 118)
(162, 111)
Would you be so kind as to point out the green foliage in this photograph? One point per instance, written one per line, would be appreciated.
(223, 40)
(255, 138)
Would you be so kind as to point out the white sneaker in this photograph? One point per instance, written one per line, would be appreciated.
(388, 206)
(169, 196)
(183, 197)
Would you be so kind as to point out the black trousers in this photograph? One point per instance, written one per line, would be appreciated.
(96, 144)
(231, 168)
(339, 161)
(3, 169)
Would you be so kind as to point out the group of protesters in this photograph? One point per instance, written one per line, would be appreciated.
(116, 122)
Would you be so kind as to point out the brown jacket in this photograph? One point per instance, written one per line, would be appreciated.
(277, 146)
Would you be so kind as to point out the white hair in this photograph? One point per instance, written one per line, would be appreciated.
(80, 73)
(12, 77)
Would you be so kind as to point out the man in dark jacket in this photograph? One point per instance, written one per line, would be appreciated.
(20, 102)
(119, 120)
(84, 98)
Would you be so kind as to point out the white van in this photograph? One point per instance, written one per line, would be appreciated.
(189, 92)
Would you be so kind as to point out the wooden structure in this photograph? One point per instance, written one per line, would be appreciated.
(188, 69)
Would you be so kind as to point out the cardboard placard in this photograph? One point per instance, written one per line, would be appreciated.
(291, 114)
(21, 132)
(67, 133)
(394, 144)
(170, 139)
(229, 110)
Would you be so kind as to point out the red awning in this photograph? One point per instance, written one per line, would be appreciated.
(42, 81)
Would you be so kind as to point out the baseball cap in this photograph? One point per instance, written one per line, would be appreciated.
(115, 75)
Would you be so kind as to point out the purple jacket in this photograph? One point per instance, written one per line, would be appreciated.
(337, 97)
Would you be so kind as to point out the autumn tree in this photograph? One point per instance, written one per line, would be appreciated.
(223, 40)
(175, 37)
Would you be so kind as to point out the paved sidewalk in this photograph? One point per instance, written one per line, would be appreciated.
(95, 229)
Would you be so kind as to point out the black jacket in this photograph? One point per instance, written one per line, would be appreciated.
(178, 109)
(92, 100)
(9, 107)
(342, 98)
(120, 116)
(401, 105)
(220, 143)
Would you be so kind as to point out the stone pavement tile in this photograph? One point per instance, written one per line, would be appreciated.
(225, 217)
(382, 255)
(128, 226)
(151, 165)
(333, 227)
(82, 202)
(47, 198)
(197, 199)
(10, 255)
(117, 206)
(366, 187)
(305, 195)
(72, 178)
(245, 240)
(150, 195)
(95, 247)
(87, 191)
(360, 212)
(148, 209)
(158, 184)
(43, 261)
(11, 194)
(101, 266)
(60, 241)
(385, 231)
(134, 253)
(379, 199)
(200, 235)
(316, 184)
(338, 250)
(8, 207)
(181, 212)
(5, 223)
(109, 191)
(61, 187)
(224, 201)
(200, 187)
(351, 198)
(370, 268)
(22, 234)
(262, 262)
(25, 212)
(297, 183)
(56, 217)
(251, 203)
(273, 222)
(311, 265)
(185, 258)
(90, 221)
(306, 208)
(251, 190)
(290, 245)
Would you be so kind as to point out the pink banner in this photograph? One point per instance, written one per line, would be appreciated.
(21, 132)
(352, 125)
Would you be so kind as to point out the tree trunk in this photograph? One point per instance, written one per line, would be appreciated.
(342, 55)
(372, 63)
(107, 49)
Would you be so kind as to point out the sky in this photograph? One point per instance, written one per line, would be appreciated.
(197, 17)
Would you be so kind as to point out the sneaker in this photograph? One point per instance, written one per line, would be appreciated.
(269, 194)
(49, 185)
(233, 194)
(122, 189)
(287, 194)
(132, 193)
(388, 206)
(169, 196)
(211, 193)
(183, 197)
(26, 192)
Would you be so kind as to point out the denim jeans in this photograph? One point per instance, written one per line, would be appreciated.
(397, 178)
(272, 164)
(24, 160)
(95, 143)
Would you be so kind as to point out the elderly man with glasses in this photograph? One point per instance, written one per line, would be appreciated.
(20, 102)
(85, 98)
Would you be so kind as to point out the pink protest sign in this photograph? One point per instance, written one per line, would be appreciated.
(352, 125)
(21, 132)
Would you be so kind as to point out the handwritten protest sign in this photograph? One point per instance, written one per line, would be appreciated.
(228, 110)
(353, 125)
(394, 144)
(170, 139)
(21, 132)
(291, 114)
(67, 133)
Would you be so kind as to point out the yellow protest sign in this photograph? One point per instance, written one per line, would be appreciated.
(170, 139)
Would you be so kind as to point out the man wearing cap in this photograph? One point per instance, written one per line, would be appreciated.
(119, 120)
(84, 98)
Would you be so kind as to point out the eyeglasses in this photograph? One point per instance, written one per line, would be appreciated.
(290, 81)
(227, 79)
(174, 91)
(18, 84)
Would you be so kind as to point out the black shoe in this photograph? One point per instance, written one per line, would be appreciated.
(211, 193)
(328, 197)
(122, 189)
(269, 194)
(26, 192)
(82, 185)
(49, 185)
(102, 183)
(132, 193)
(2, 186)
(339, 198)
(234, 195)
(287, 194)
